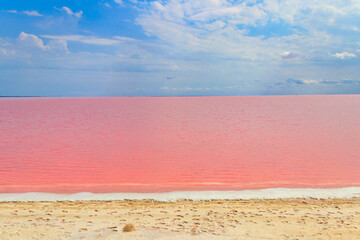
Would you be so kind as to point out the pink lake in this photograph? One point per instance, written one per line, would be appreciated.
(66, 145)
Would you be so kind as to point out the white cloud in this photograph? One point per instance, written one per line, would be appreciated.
(221, 28)
(32, 40)
(240, 14)
(10, 11)
(344, 55)
(204, 11)
(58, 45)
(289, 56)
(219, 37)
(7, 52)
(350, 28)
(322, 81)
(83, 39)
(307, 81)
(3, 42)
(304, 12)
(120, 2)
(126, 39)
(32, 13)
(70, 12)
(303, 81)
(29, 13)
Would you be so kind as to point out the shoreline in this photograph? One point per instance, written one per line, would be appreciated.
(183, 219)
(269, 193)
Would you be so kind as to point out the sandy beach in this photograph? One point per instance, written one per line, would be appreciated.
(233, 219)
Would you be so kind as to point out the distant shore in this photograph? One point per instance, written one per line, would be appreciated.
(218, 219)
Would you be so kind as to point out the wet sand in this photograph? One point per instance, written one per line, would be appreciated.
(233, 219)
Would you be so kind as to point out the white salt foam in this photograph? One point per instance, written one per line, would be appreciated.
(271, 193)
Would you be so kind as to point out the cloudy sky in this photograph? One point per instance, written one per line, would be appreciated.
(179, 47)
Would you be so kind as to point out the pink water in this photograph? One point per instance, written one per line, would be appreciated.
(67, 145)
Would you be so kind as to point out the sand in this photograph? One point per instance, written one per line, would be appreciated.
(233, 219)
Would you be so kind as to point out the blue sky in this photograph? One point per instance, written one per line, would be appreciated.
(179, 47)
